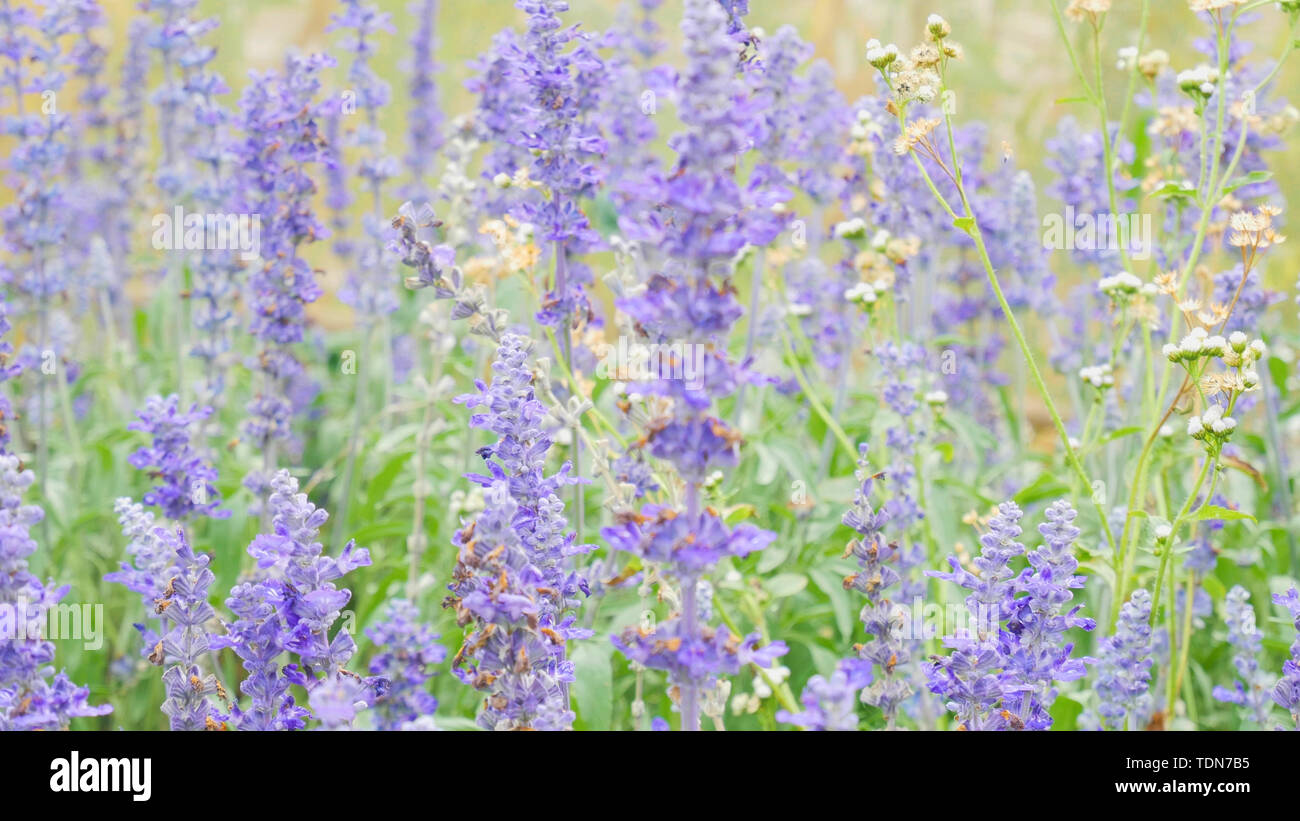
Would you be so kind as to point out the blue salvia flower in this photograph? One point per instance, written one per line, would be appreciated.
(36, 220)
(499, 109)
(150, 570)
(281, 139)
(32, 695)
(971, 678)
(1124, 665)
(1287, 690)
(290, 605)
(1003, 671)
(407, 655)
(901, 364)
(186, 481)
(513, 580)
(631, 99)
(994, 584)
(884, 620)
(559, 75)
(212, 188)
(1252, 690)
(367, 288)
(424, 119)
(700, 227)
(184, 603)
(1039, 656)
(831, 704)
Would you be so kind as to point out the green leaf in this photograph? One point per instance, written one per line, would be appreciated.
(1173, 189)
(594, 689)
(1065, 713)
(1214, 587)
(945, 450)
(1046, 486)
(1226, 514)
(1119, 434)
(966, 224)
(384, 479)
(785, 584)
(1068, 100)
(833, 587)
(1250, 179)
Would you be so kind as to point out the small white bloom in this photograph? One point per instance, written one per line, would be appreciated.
(1163, 532)
(502, 180)
(1194, 427)
(1238, 341)
(1259, 348)
(936, 397)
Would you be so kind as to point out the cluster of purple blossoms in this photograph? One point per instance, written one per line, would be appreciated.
(150, 570)
(367, 288)
(1002, 671)
(1247, 641)
(1124, 665)
(32, 695)
(281, 139)
(36, 221)
(631, 99)
(513, 580)
(500, 107)
(1287, 690)
(408, 653)
(184, 604)
(559, 76)
(424, 121)
(290, 605)
(185, 478)
(831, 704)
(888, 649)
(699, 226)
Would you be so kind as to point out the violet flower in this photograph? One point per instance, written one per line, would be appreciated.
(186, 480)
(408, 654)
(1124, 666)
(831, 704)
(424, 120)
(1252, 690)
(185, 604)
(290, 606)
(1287, 690)
(887, 649)
(281, 141)
(513, 580)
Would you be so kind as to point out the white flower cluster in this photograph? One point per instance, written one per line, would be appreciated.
(1127, 58)
(1099, 376)
(866, 294)
(1120, 285)
(855, 228)
(1211, 425)
(936, 398)
(1235, 351)
(880, 57)
(1200, 81)
(937, 27)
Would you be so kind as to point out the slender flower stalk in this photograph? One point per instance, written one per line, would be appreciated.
(512, 581)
